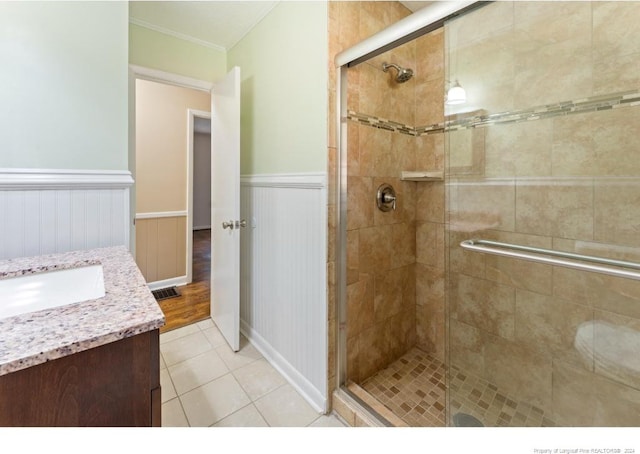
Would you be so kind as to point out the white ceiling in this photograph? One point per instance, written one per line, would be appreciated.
(218, 24)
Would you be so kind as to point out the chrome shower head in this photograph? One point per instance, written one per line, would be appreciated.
(404, 74)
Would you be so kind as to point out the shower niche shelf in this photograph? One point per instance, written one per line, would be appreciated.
(422, 175)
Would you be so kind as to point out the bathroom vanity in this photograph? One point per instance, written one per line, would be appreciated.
(74, 361)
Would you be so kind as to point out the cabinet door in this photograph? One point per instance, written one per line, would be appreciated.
(105, 386)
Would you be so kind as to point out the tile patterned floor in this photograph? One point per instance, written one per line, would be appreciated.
(204, 383)
(414, 388)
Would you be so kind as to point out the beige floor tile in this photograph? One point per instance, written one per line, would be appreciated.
(172, 414)
(205, 324)
(235, 360)
(197, 371)
(163, 364)
(214, 401)
(167, 389)
(214, 336)
(327, 421)
(178, 333)
(183, 348)
(248, 416)
(284, 407)
(258, 378)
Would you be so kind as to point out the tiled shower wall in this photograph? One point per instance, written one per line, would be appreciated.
(568, 182)
(395, 260)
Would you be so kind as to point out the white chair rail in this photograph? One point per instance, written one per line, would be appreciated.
(619, 268)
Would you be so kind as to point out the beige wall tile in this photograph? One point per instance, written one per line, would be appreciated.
(562, 208)
(466, 347)
(485, 22)
(573, 392)
(388, 292)
(430, 244)
(429, 97)
(465, 150)
(375, 249)
(615, 154)
(606, 250)
(486, 306)
(572, 149)
(617, 211)
(353, 149)
(353, 359)
(518, 149)
(549, 326)
(430, 202)
(537, 24)
(360, 309)
(615, 73)
(360, 202)
(483, 205)
(353, 256)
(554, 72)
(519, 273)
(615, 30)
(403, 237)
(430, 152)
(430, 56)
(430, 283)
(401, 332)
(616, 405)
(582, 398)
(374, 351)
(519, 371)
(599, 291)
(464, 261)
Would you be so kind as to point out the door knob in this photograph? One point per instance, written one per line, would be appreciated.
(242, 223)
(227, 225)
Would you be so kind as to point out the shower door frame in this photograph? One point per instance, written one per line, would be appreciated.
(417, 24)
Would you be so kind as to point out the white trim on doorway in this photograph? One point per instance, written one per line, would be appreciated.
(192, 114)
(155, 75)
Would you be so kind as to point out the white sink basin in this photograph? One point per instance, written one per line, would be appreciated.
(50, 289)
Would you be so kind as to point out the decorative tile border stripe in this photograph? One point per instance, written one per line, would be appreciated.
(478, 120)
(380, 123)
(584, 105)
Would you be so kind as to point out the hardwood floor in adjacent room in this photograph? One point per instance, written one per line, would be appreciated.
(193, 304)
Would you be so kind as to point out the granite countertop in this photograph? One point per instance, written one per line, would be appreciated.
(128, 308)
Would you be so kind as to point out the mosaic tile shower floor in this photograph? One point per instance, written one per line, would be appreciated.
(413, 388)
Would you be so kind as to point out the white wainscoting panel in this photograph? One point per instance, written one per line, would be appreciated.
(283, 276)
(51, 211)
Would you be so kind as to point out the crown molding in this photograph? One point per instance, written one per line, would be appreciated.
(166, 31)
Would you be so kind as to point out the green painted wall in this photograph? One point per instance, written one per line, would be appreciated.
(283, 62)
(64, 85)
(152, 49)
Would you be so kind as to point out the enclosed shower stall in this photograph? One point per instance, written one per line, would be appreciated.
(488, 268)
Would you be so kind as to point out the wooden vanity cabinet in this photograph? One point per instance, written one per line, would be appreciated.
(116, 384)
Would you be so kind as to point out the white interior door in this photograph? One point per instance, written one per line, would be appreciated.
(225, 209)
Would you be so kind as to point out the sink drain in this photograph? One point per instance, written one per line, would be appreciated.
(465, 420)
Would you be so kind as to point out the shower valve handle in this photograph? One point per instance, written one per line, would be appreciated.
(389, 198)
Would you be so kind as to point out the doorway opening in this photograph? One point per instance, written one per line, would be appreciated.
(172, 119)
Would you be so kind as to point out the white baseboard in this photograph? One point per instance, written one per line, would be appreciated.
(174, 281)
(295, 378)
